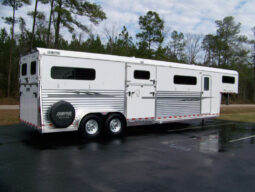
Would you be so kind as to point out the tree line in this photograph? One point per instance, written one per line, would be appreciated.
(226, 48)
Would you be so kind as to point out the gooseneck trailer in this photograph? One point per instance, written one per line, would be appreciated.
(70, 91)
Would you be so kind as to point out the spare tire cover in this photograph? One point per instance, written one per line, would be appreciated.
(62, 114)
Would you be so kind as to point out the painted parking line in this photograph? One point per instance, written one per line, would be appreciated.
(199, 127)
(240, 139)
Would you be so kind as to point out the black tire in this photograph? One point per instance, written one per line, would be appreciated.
(84, 131)
(115, 125)
(62, 114)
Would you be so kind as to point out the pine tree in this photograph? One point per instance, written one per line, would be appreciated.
(67, 10)
(151, 26)
(175, 49)
(15, 4)
(35, 14)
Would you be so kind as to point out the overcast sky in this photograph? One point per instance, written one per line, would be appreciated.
(187, 16)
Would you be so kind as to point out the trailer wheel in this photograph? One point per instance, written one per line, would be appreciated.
(90, 126)
(115, 124)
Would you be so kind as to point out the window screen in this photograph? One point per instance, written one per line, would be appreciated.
(24, 69)
(33, 68)
(138, 74)
(206, 84)
(185, 80)
(228, 79)
(73, 73)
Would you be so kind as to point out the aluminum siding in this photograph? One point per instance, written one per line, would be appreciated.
(84, 101)
(171, 103)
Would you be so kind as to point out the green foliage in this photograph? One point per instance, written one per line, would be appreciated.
(67, 10)
(228, 49)
(92, 11)
(4, 59)
(226, 46)
(15, 4)
(161, 54)
(121, 45)
(151, 26)
(93, 44)
(209, 46)
(39, 15)
(176, 46)
(8, 20)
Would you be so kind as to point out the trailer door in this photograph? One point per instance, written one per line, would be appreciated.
(29, 89)
(140, 91)
(206, 94)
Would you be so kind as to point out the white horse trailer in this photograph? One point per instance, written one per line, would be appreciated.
(69, 91)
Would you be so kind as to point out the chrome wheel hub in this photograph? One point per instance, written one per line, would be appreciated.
(91, 127)
(115, 125)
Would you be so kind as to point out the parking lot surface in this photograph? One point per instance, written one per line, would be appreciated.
(219, 156)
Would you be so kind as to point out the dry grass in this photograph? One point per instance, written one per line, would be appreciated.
(242, 114)
(241, 117)
(9, 101)
(8, 117)
(238, 109)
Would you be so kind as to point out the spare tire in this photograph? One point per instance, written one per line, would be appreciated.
(62, 114)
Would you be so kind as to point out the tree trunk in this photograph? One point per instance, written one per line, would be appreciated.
(219, 60)
(57, 31)
(210, 59)
(11, 47)
(48, 33)
(34, 22)
(254, 69)
(254, 75)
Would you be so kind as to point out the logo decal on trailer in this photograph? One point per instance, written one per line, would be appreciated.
(64, 115)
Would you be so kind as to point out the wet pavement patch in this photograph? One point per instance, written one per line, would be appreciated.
(173, 157)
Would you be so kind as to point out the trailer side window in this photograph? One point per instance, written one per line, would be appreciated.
(73, 73)
(33, 68)
(206, 83)
(185, 80)
(24, 69)
(228, 79)
(138, 74)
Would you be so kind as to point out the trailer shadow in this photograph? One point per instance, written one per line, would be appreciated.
(59, 140)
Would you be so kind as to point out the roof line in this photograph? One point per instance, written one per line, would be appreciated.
(57, 52)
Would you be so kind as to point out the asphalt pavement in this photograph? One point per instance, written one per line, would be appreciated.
(218, 156)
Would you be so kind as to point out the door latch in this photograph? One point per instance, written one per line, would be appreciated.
(153, 93)
(130, 93)
(153, 81)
